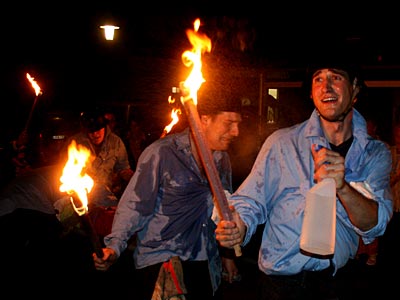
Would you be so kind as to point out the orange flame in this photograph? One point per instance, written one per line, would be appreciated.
(201, 43)
(175, 119)
(73, 179)
(34, 84)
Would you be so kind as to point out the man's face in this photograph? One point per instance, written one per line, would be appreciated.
(221, 130)
(332, 92)
(97, 137)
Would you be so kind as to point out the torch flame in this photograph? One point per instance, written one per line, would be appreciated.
(73, 179)
(35, 86)
(174, 116)
(201, 43)
(175, 119)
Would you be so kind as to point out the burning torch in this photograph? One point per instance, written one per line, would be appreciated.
(78, 184)
(189, 88)
(38, 92)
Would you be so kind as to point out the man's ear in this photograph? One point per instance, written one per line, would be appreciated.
(356, 90)
(355, 83)
(204, 119)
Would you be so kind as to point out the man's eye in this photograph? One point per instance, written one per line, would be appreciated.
(337, 77)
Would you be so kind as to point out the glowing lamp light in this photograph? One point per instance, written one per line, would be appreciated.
(109, 31)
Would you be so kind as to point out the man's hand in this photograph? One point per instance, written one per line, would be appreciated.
(328, 164)
(231, 233)
(104, 263)
(230, 271)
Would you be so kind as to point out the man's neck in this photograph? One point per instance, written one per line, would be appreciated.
(338, 132)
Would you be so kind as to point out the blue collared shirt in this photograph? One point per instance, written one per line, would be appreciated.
(274, 193)
(168, 203)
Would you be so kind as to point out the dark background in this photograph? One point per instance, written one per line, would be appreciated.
(62, 47)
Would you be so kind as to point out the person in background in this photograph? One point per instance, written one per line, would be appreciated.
(109, 168)
(14, 157)
(171, 212)
(288, 165)
(135, 140)
(109, 157)
(34, 234)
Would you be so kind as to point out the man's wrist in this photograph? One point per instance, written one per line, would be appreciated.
(343, 189)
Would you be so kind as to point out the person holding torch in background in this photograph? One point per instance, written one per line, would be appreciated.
(109, 157)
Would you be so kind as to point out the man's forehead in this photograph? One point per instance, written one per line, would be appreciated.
(228, 116)
(333, 70)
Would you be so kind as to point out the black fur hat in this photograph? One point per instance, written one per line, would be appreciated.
(215, 97)
(93, 121)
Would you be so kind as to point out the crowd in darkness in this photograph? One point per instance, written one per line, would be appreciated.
(23, 150)
(37, 224)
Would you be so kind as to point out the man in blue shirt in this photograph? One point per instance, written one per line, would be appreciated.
(288, 165)
(168, 204)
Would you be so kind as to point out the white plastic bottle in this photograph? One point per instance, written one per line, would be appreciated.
(319, 223)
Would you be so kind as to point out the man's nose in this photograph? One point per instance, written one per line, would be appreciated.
(328, 84)
(235, 130)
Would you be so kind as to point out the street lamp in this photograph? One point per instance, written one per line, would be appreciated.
(109, 31)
